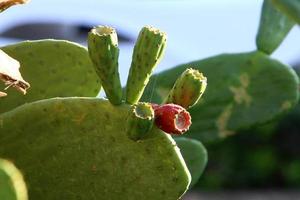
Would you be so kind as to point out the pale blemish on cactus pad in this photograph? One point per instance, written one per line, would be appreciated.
(222, 121)
(240, 93)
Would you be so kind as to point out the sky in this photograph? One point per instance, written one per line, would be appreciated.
(195, 29)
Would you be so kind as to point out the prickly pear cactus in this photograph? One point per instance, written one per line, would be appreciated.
(12, 185)
(54, 68)
(90, 148)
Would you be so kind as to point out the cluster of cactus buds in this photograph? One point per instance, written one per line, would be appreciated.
(172, 117)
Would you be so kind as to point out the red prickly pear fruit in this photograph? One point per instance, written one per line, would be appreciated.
(172, 118)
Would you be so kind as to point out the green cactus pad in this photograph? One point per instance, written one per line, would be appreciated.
(140, 120)
(244, 89)
(195, 156)
(54, 68)
(77, 148)
(104, 53)
(273, 28)
(188, 88)
(290, 7)
(147, 53)
(12, 185)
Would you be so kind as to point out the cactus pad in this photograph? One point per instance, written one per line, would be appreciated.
(273, 28)
(54, 68)
(290, 7)
(12, 185)
(83, 152)
(245, 89)
(195, 156)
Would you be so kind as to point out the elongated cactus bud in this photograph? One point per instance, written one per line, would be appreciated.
(12, 185)
(140, 120)
(147, 53)
(188, 88)
(172, 118)
(104, 53)
(10, 75)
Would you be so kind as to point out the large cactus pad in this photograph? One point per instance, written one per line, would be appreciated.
(54, 68)
(75, 148)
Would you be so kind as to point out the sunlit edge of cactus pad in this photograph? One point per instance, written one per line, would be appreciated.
(244, 89)
(12, 185)
(54, 68)
(78, 148)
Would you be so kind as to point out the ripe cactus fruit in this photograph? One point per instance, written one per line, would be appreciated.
(188, 88)
(83, 152)
(172, 118)
(140, 120)
(10, 75)
(104, 52)
(54, 68)
(147, 53)
(12, 185)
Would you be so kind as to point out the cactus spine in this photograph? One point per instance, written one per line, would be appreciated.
(104, 53)
(147, 53)
(188, 88)
(140, 120)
